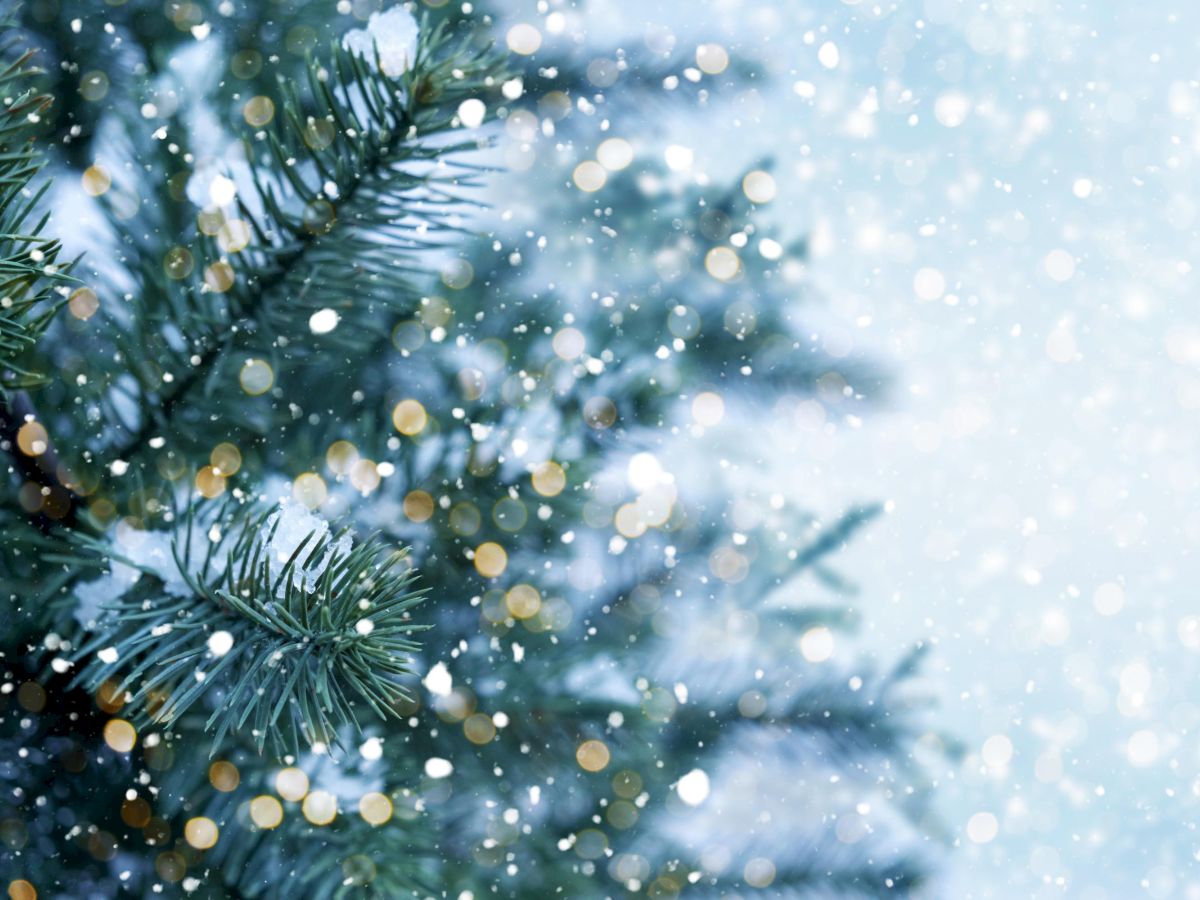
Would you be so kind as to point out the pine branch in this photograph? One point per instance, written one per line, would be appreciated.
(29, 268)
(360, 155)
(288, 648)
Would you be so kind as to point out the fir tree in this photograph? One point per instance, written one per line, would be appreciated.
(318, 419)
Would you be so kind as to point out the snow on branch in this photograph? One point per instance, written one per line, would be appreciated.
(270, 621)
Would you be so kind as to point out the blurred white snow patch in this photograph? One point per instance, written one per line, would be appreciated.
(1143, 748)
(220, 643)
(982, 827)
(828, 55)
(438, 680)
(393, 33)
(371, 748)
(328, 774)
(645, 471)
(678, 157)
(472, 112)
(952, 108)
(602, 679)
(693, 787)
(816, 810)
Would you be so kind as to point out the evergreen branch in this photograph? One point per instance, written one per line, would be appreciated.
(29, 268)
(31, 276)
(354, 177)
(287, 648)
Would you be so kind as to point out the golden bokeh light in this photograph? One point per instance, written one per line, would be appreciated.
(233, 236)
(722, 263)
(364, 476)
(654, 505)
(266, 811)
(629, 522)
(135, 812)
(593, 756)
(201, 832)
(120, 735)
(309, 490)
(409, 417)
(219, 277)
(490, 559)
(418, 506)
(589, 176)
(209, 221)
(96, 180)
(258, 111)
(210, 482)
(178, 263)
(226, 459)
(109, 697)
(340, 456)
(548, 478)
(479, 728)
(759, 186)
(291, 784)
(523, 601)
(83, 303)
(375, 808)
(33, 439)
(320, 807)
(224, 776)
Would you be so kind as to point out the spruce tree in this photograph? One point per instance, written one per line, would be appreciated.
(370, 525)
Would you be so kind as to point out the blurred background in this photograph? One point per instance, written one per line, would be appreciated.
(1000, 204)
(1000, 199)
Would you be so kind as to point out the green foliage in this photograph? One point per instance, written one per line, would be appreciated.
(29, 267)
(101, 58)
(346, 193)
(300, 639)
